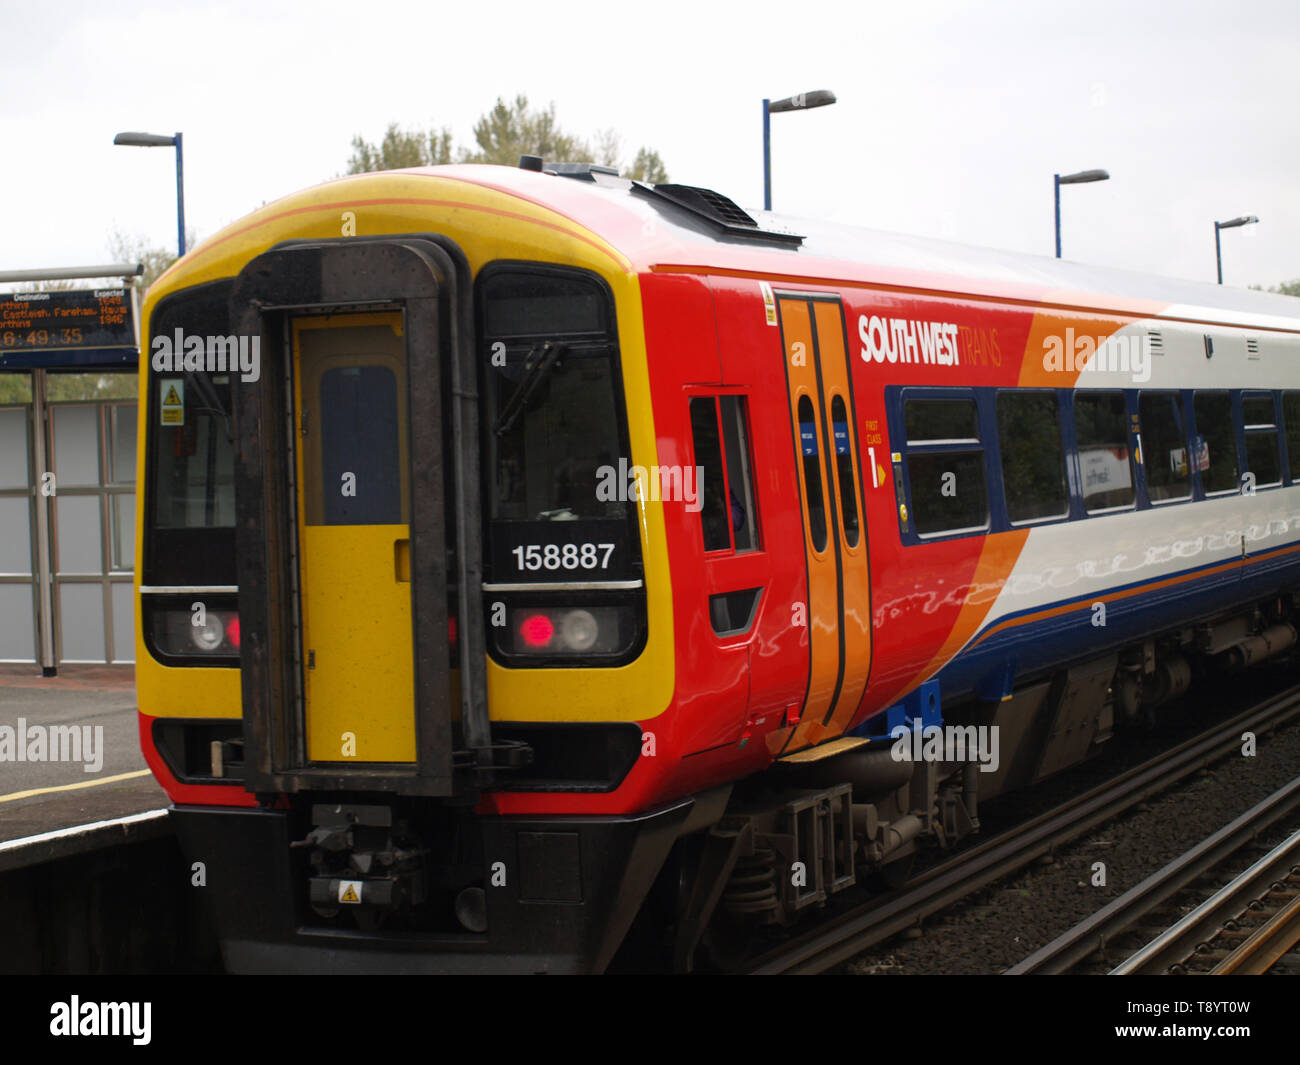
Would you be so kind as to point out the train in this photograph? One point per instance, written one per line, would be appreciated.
(540, 569)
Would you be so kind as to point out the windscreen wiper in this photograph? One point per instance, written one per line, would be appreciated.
(208, 393)
(540, 362)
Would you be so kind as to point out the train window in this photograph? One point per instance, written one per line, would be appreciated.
(740, 482)
(1216, 442)
(1101, 426)
(844, 471)
(556, 443)
(949, 489)
(812, 473)
(1033, 457)
(1291, 418)
(949, 493)
(1164, 447)
(1260, 423)
(712, 483)
(358, 416)
(941, 421)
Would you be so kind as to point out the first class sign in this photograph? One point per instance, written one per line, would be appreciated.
(76, 327)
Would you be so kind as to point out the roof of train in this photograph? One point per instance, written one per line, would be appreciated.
(657, 235)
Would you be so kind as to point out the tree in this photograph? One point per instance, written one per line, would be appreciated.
(1286, 288)
(400, 149)
(501, 136)
(126, 249)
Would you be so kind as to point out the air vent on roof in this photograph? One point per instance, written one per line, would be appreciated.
(580, 171)
(716, 209)
(707, 202)
(1252, 347)
(1157, 341)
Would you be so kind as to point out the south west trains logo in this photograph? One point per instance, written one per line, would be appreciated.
(906, 341)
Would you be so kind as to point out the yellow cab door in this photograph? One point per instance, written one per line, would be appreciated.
(835, 542)
(354, 538)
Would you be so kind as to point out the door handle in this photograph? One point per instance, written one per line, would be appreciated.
(402, 561)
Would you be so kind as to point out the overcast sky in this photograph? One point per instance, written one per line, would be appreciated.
(952, 117)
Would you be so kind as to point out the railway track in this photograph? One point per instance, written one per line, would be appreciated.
(867, 924)
(1154, 913)
(1245, 928)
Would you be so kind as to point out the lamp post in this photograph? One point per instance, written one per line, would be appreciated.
(1081, 178)
(160, 140)
(801, 102)
(1244, 220)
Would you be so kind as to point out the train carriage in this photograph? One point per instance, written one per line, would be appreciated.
(526, 553)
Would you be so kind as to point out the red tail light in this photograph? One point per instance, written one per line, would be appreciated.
(537, 630)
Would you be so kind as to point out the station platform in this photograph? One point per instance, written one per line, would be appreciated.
(51, 780)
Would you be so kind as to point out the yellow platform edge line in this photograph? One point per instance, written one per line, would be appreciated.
(74, 787)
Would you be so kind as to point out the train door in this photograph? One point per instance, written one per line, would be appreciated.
(354, 538)
(835, 543)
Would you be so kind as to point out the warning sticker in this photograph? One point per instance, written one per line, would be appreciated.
(769, 302)
(350, 891)
(173, 400)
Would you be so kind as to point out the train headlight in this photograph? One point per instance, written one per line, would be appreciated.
(175, 632)
(209, 636)
(579, 630)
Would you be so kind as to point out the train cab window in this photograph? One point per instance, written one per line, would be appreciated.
(1216, 442)
(555, 412)
(728, 514)
(708, 460)
(1106, 466)
(1033, 456)
(740, 483)
(946, 478)
(1164, 447)
(1259, 420)
(1291, 419)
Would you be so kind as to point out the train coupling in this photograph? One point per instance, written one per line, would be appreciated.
(360, 857)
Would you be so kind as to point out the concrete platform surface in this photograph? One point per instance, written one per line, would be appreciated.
(70, 749)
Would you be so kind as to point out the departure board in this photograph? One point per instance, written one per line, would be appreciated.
(76, 320)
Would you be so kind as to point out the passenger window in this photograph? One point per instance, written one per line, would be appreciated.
(1291, 418)
(1033, 457)
(725, 484)
(1101, 425)
(1215, 447)
(1260, 424)
(941, 421)
(946, 475)
(844, 471)
(1164, 447)
(812, 472)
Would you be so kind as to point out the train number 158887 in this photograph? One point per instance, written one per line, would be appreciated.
(566, 556)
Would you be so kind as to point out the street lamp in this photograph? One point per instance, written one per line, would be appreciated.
(801, 102)
(1081, 178)
(1244, 220)
(160, 140)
